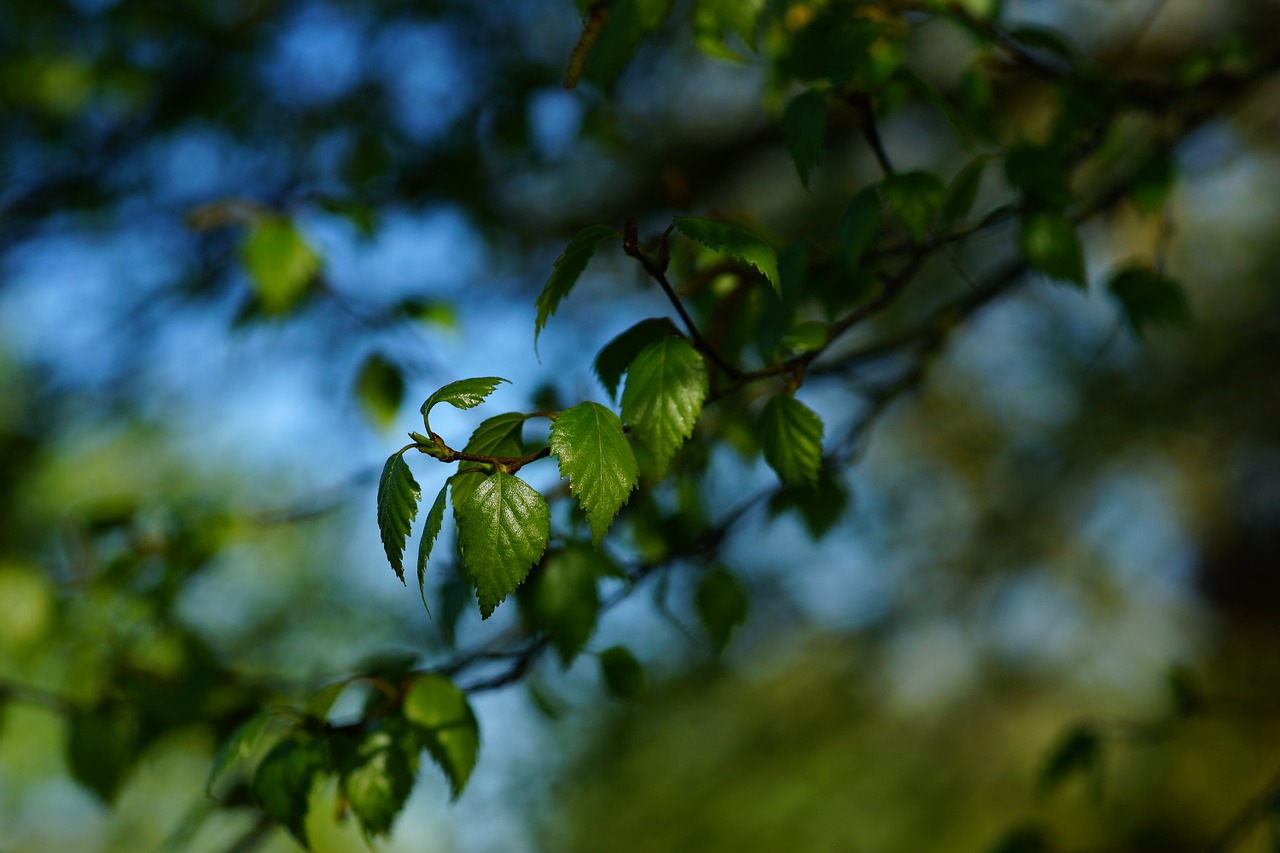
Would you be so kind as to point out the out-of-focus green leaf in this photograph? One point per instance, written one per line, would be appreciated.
(1051, 245)
(666, 385)
(617, 355)
(713, 20)
(502, 531)
(819, 506)
(859, 226)
(962, 192)
(280, 263)
(564, 600)
(445, 725)
(804, 128)
(434, 311)
(721, 602)
(1040, 173)
(238, 746)
(284, 781)
(593, 452)
(100, 750)
(568, 268)
(1078, 753)
(626, 25)
(791, 436)
(621, 672)
(1153, 182)
(1148, 298)
(917, 198)
(734, 242)
(380, 780)
(463, 394)
(398, 495)
(380, 389)
(807, 336)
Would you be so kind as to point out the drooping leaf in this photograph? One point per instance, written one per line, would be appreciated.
(617, 355)
(1049, 243)
(280, 263)
(502, 530)
(568, 267)
(398, 495)
(445, 726)
(595, 455)
(500, 435)
(380, 389)
(380, 779)
(734, 242)
(791, 437)
(435, 520)
(563, 600)
(917, 198)
(859, 226)
(621, 672)
(284, 781)
(100, 750)
(721, 602)
(463, 394)
(1078, 753)
(804, 128)
(1148, 298)
(662, 400)
(238, 746)
(962, 192)
(819, 506)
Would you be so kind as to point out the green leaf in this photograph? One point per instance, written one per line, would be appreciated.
(380, 388)
(734, 242)
(500, 435)
(666, 385)
(1042, 174)
(238, 746)
(805, 336)
(380, 780)
(568, 267)
(1049, 243)
(433, 311)
(713, 20)
(463, 394)
(595, 455)
(628, 22)
(617, 355)
(859, 226)
(100, 749)
(321, 702)
(963, 192)
(284, 781)
(1153, 181)
(1079, 752)
(917, 197)
(446, 726)
(791, 436)
(280, 263)
(502, 531)
(721, 602)
(621, 672)
(1148, 298)
(819, 506)
(563, 600)
(398, 495)
(804, 127)
(435, 520)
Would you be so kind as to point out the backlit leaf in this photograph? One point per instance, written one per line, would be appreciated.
(502, 531)
(435, 520)
(280, 263)
(595, 455)
(621, 672)
(445, 725)
(568, 267)
(463, 394)
(804, 127)
(380, 780)
(666, 385)
(238, 746)
(617, 355)
(284, 781)
(1049, 243)
(734, 242)
(791, 437)
(398, 495)
(917, 197)
(380, 388)
(721, 602)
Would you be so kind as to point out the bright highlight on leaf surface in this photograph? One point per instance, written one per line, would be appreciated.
(804, 127)
(791, 436)
(666, 385)
(502, 531)
(463, 394)
(398, 495)
(280, 263)
(445, 725)
(1050, 244)
(594, 454)
(734, 242)
(568, 268)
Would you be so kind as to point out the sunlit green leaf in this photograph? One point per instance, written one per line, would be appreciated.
(804, 127)
(380, 388)
(617, 355)
(500, 435)
(1050, 244)
(284, 781)
(721, 602)
(502, 530)
(791, 437)
(734, 242)
(666, 385)
(621, 672)
(917, 198)
(563, 600)
(568, 268)
(445, 725)
(238, 746)
(435, 520)
(1148, 298)
(463, 394)
(595, 455)
(398, 495)
(280, 263)
(380, 780)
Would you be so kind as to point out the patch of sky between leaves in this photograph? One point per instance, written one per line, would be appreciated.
(430, 76)
(318, 58)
